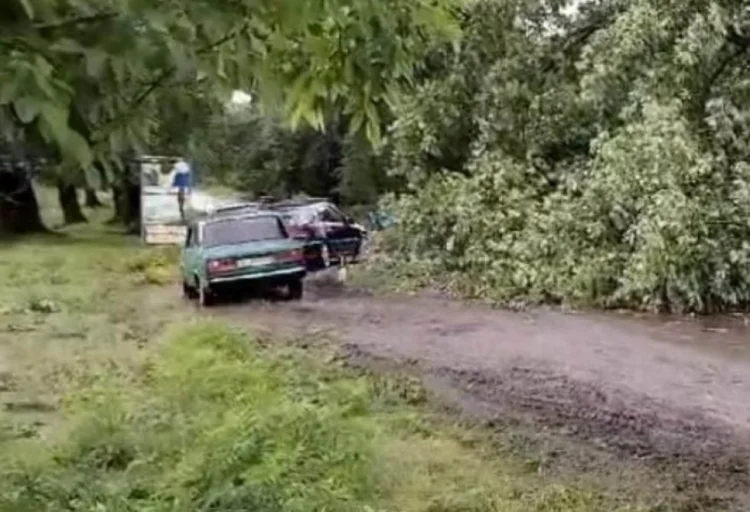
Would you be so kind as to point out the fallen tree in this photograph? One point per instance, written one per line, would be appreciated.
(606, 170)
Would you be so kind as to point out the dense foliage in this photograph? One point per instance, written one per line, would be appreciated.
(86, 74)
(596, 155)
(600, 158)
(259, 154)
(89, 78)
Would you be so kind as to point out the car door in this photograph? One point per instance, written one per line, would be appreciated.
(343, 238)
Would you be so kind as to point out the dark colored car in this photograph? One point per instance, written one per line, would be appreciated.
(329, 234)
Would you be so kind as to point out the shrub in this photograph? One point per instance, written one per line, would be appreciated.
(649, 224)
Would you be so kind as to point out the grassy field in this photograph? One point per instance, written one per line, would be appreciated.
(117, 396)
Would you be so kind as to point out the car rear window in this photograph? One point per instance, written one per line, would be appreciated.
(239, 231)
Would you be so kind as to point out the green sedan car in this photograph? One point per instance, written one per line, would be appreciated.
(246, 250)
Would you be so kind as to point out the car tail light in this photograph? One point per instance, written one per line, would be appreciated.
(221, 265)
(291, 256)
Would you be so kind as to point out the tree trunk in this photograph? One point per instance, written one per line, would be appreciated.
(131, 214)
(127, 202)
(68, 197)
(19, 210)
(91, 200)
(117, 201)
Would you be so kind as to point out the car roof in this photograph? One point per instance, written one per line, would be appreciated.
(239, 216)
(240, 204)
(234, 207)
(297, 203)
(293, 207)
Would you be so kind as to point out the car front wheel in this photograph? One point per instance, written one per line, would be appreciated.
(359, 250)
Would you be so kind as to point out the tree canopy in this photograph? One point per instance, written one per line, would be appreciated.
(93, 81)
(85, 76)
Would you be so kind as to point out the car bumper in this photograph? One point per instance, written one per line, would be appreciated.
(270, 278)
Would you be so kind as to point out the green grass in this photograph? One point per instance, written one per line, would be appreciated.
(117, 397)
(72, 303)
(213, 421)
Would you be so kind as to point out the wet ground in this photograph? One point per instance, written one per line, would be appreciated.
(667, 391)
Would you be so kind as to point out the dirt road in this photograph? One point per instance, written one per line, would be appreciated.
(657, 390)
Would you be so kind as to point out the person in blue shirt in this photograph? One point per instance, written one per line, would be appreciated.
(181, 181)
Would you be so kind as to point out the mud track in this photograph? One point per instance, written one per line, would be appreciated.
(665, 393)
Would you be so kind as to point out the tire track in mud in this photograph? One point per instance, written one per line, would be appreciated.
(612, 383)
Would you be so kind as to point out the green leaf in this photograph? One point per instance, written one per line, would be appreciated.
(358, 119)
(78, 150)
(28, 8)
(372, 132)
(314, 117)
(26, 109)
(54, 119)
(93, 177)
(68, 45)
(96, 61)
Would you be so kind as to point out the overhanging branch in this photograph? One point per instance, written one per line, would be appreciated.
(78, 20)
(162, 79)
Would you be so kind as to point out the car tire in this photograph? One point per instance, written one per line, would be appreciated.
(188, 291)
(325, 256)
(295, 289)
(357, 255)
(206, 298)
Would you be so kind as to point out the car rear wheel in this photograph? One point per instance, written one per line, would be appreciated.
(295, 289)
(188, 291)
(325, 256)
(358, 251)
(206, 298)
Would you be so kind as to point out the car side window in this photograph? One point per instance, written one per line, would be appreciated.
(303, 216)
(330, 214)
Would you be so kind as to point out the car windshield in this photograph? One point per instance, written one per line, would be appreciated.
(329, 213)
(239, 231)
(301, 215)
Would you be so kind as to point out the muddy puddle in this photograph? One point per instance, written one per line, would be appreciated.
(727, 335)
